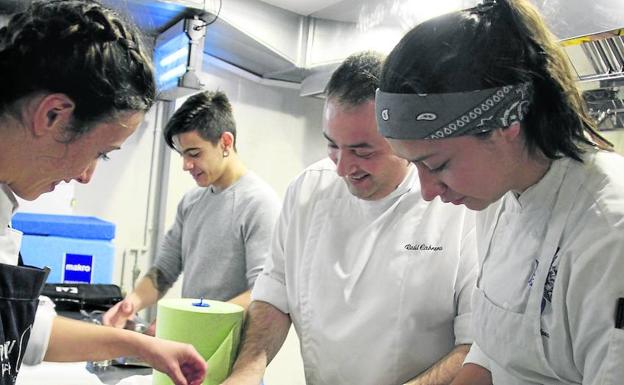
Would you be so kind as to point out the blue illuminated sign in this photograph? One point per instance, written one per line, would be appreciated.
(78, 268)
(171, 59)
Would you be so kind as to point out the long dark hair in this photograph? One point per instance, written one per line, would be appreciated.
(502, 42)
(80, 49)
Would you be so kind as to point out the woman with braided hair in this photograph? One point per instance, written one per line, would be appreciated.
(76, 82)
(483, 102)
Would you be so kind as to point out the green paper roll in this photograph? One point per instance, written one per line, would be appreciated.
(213, 330)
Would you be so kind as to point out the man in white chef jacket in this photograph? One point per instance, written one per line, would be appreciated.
(376, 281)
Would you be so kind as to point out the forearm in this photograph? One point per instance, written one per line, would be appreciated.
(73, 340)
(243, 299)
(472, 374)
(445, 370)
(152, 287)
(266, 328)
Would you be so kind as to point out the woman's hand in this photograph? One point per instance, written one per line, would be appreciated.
(180, 362)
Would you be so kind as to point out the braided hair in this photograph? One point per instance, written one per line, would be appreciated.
(209, 113)
(78, 48)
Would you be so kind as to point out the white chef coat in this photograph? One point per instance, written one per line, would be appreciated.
(10, 242)
(552, 262)
(378, 291)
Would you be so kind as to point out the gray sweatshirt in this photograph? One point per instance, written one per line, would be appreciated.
(220, 239)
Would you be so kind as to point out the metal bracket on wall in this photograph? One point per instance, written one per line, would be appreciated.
(134, 254)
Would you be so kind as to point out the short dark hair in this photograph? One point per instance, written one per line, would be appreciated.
(78, 48)
(209, 113)
(356, 79)
(501, 43)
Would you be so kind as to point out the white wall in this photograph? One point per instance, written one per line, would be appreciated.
(61, 202)
(118, 193)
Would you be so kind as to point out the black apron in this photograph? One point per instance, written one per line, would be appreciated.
(20, 287)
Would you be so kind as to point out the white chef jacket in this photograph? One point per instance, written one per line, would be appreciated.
(573, 340)
(10, 242)
(378, 291)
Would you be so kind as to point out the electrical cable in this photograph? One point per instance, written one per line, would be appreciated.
(206, 24)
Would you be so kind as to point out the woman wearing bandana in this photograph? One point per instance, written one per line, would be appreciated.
(75, 84)
(493, 121)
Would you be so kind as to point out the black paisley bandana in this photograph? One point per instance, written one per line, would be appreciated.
(438, 116)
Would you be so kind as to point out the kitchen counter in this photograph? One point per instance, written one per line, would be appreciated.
(75, 373)
(111, 375)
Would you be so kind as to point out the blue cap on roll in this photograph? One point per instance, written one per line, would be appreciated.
(201, 303)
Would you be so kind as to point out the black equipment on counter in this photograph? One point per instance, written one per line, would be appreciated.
(88, 297)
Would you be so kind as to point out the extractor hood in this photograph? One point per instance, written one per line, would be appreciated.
(274, 43)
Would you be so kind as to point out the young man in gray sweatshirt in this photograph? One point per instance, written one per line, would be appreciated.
(222, 231)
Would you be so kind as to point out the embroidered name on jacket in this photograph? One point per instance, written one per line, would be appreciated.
(423, 247)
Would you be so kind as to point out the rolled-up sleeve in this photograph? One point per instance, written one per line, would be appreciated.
(477, 357)
(462, 329)
(40, 333)
(267, 289)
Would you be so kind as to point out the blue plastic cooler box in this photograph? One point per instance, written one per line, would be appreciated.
(77, 249)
